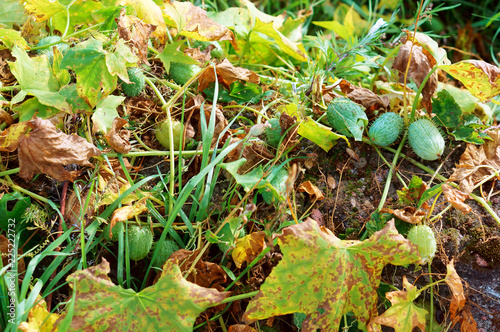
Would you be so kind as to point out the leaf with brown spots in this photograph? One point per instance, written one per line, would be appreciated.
(10, 137)
(226, 74)
(409, 214)
(318, 270)
(47, 149)
(479, 77)
(172, 304)
(403, 315)
(478, 163)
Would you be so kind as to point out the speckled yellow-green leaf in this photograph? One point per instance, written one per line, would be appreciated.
(319, 270)
(172, 304)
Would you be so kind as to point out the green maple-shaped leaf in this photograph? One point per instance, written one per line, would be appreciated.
(120, 59)
(171, 54)
(36, 77)
(105, 112)
(320, 271)
(43, 9)
(93, 79)
(403, 315)
(172, 304)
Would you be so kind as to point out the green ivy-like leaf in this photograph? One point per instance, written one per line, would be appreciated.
(318, 270)
(172, 304)
(36, 77)
(118, 61)
(105, 112)
(171, 54)
(447, 110)
(10, 37)
(11, 12)
(44, 9)
(248, 180)
(88, 60)
(403, 315)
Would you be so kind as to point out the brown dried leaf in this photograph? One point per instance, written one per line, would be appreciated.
(117, 138)
(409, 214)
(286, 122)
(365, 97)
(192, 21)
(73, 212)
(312, 190)
(204, 274)
(5, 117)
(106, 173)
(456, 198)
(468, 322)
(332, 184)
(226, 74)
(136, 33)
(200, 56)
(47, 149)
(478, 163)
(127, 212)
(248, 247)
(457, 290)
(421, 64)
(5, 248)
(148, 12)
(241, 328)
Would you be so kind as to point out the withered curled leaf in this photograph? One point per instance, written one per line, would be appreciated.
(46, 149)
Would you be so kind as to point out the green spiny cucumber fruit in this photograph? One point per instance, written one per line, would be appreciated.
(226, 237)
(386, 129)
(424, 238)
(115, 231)
(181, 72)
(140, 240)
(278, 182)
(347, 117)
(163, 136)
(167, 248)
(137, 82)
(273, 133)
(49, 52)
(425, 139)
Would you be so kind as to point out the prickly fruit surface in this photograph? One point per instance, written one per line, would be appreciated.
(386, 129)
(424, 238)
(140, 240)
(167, 248)
(137, 82)
(181, 72)
(425, 139)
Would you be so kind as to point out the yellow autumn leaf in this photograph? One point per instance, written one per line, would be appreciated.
(43, 9)
(149, 12)
(192, 21)
(128, 212)
(248, 247)
(480, 78)
(39, 319)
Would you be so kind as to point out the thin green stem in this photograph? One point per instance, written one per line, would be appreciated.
(238, 297)
(10, 171)
(24, 191)
(391, 170)
(187, 153)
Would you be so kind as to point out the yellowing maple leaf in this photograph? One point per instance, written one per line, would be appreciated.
(403, 315)
(318, 270)
(172, 304)
(149, 12)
